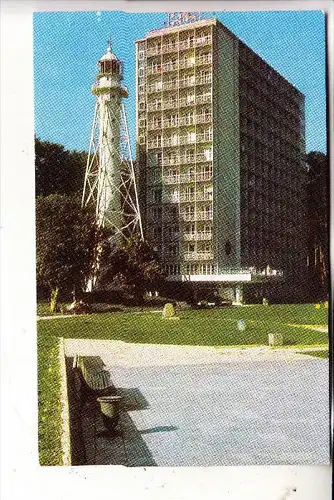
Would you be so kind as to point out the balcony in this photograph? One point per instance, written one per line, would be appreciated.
(198, 256)
(154, 87)
(188, 197)
(182, 102)
(190, 82)
(187, 178)
(169, 47)
(203, 60)
(182, 83)
(162, 68)
(182, 64)
(182, 45)
(186, 140)
(178, 160)
(204, 118)
(195, 42)
(197, 236)
(200, 99)
(195, 119)
(154, 143)
(153, 51)
(154, 106)
(186, 63)
(180, 121)
(170, 104)
(154, 125)
(192, 217)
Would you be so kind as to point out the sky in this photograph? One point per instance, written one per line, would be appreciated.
(67, 46)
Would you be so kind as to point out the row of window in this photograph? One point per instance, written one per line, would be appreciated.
(251, 63)
(270, 129)
(173, 231)
(267, 107)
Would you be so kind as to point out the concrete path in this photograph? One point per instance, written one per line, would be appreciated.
(201, 406)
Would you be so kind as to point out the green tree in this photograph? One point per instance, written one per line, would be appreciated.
(66, 238)
(58, 170)
(318, 211)
(131, 269)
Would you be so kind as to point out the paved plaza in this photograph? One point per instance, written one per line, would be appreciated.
(201, 406)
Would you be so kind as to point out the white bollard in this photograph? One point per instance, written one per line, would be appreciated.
(275, 339)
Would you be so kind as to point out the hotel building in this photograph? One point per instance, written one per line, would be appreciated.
(220, 148)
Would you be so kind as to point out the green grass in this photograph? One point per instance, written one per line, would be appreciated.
(49, 397)
(324, 354)
(43, 309)
(216, 327)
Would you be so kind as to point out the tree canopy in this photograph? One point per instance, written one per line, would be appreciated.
(66, 238)
(318, 212)
(58, 170)
(131, 269)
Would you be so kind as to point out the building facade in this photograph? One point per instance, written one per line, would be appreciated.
(221, 143)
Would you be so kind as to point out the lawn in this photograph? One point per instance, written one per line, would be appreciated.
(216, 327)
(324, 354)
(49, 397)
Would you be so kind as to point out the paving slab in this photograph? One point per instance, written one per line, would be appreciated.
(195, 406)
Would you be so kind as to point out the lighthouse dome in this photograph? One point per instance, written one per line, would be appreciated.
(109, 56)
(110, 64)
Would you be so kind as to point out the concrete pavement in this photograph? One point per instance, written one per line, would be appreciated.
(201, 406)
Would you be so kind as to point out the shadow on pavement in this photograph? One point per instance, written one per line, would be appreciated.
(92, 443)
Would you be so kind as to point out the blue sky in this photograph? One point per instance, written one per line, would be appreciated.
(67, 46)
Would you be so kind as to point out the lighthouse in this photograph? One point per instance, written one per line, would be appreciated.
(110, 182)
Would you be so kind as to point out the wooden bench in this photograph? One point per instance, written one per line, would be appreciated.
(95, 379)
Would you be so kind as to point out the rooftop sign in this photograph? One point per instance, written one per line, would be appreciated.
(179, 18)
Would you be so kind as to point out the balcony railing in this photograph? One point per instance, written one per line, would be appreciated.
(177, 160)
(182, 83)
(182, 45)
(185, 197)
(185, 140)
(154, 106)
(198, 256)
(192, 217)
(154, 143)
(188, 198)
(187, 178)
(182, 102)
(200, 99)
(197, 236)
(182, 64)
(180, 121)
(153, 51)
(200, 80)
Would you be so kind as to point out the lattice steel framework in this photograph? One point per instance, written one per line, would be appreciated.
(101, 183)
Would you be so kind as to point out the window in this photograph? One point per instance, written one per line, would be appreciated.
(158, 158)
(191, 137)
(190, 191)
(191, 229)
(208, 154)
(207, 229)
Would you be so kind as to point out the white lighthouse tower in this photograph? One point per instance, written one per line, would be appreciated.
(110, 178)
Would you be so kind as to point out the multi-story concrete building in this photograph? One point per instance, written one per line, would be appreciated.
(220, 139)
